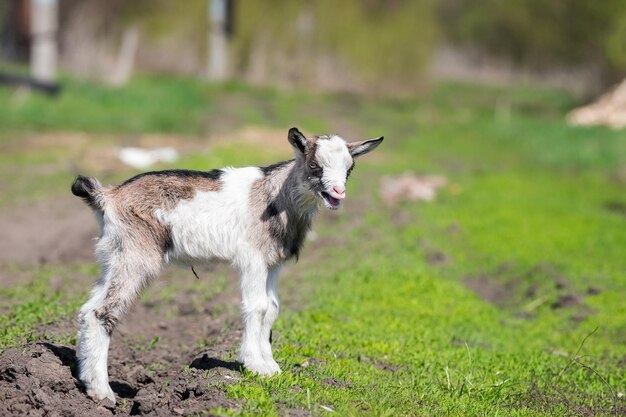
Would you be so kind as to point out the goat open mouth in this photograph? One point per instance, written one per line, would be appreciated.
(330, 201)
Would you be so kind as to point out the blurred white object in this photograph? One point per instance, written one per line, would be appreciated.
(609, 110)
(144, 158)
(410, 187)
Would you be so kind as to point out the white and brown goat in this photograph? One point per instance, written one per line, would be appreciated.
(254, 217)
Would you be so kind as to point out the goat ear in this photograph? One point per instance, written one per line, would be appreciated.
(297, 139)
(361, 148)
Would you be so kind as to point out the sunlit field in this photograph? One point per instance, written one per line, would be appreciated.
(503, 296)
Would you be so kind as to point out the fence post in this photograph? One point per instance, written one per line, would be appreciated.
(43, 55)
(217, 69)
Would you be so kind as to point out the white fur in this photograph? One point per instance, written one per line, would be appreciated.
(335, 160)
(94, 349)
(213, 224)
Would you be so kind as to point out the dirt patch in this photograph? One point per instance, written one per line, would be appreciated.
(50, 231)
(40, 380)
(379, 364)
(156, 366)
(567, 300)
(525, 290)
(617, 207)
(494, 291)
(435, 257)
(335, 383)
(565, 401)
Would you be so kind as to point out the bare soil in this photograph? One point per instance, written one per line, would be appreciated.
(165, 359)
(40, 380)
(47, 231)
(523, 291)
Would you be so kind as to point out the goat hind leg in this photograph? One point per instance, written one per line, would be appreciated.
(93, 345)
(119, 286)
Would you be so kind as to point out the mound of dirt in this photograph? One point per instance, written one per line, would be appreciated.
(409, 187)
(609, 110)
(39, 380)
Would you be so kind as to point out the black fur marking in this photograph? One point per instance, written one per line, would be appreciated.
(296, 247)
(271, 211)
(271, 168)
(85, 188)
(214, 174)
(289, 234)
(350, 170)
(82, 187)
(108, 320)
(168, 243)
(297, 139)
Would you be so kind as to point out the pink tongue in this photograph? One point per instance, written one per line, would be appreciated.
(332, 200)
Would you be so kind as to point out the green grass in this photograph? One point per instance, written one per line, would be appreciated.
(172, 106)
(535, 211)
(51, 296)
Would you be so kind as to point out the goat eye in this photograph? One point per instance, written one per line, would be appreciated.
(312, 165)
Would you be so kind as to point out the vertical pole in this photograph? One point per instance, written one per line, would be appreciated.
(44, 25)
(217, 69)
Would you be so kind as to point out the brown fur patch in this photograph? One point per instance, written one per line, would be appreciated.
(136, 201)
(311, 149)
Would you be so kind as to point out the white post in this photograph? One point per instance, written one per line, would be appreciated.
(217, 69)
(43, 55)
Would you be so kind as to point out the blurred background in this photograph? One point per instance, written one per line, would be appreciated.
(374, 46)
(476, 268)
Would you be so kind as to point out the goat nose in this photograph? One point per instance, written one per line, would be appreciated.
(339, 190)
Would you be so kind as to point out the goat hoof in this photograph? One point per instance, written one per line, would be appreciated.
(101, 394)
(274, 367)
(263, 368)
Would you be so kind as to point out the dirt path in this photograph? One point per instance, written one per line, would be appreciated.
(48, 231)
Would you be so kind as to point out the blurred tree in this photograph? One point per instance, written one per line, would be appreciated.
(615, 45)
(541, 33)
(15, 29)
(392, 39)
(377, 43)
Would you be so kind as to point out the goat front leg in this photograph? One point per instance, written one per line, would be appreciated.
(254, 306)
(271, 289)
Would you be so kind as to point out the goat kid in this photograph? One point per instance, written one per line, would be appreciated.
(255, 218)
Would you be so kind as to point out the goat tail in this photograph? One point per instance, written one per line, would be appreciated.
(90, 190)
